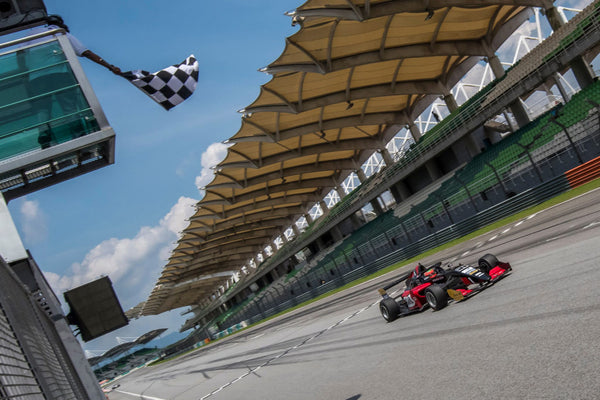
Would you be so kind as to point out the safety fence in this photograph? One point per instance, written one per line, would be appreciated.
(569, 41)
(33, 362)
(534, 176)
(528, 167)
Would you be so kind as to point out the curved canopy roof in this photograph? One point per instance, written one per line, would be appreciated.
(149, 336)
(353, 75)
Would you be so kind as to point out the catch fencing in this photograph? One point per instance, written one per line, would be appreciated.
(530, 180)
(33, 361)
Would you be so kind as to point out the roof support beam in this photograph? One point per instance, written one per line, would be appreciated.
(330, 42)
(255, 237)
(437, 29)
(303, 184)
(454, 48)
(387, 89)
(254, 228)
(245, 249)
(335, 165)
(405, 6)
(351, 144)
(262, 216)
(356, 10)
(268, 135)
(369, 119)
(293, 199)
(315, 63)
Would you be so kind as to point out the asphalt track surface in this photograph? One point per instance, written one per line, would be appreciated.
(533, 335)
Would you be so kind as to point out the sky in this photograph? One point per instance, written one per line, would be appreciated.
(123, 220)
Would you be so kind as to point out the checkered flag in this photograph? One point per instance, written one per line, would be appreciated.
(169, 86)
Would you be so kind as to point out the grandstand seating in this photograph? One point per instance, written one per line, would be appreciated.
(474, 178)
(501, 171)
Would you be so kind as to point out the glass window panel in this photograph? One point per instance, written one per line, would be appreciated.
(41, 103)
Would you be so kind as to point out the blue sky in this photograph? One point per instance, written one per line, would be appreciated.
(122, 220)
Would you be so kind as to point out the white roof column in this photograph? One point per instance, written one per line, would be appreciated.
(283, 237)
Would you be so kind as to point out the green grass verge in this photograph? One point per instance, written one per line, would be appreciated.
(508, 220)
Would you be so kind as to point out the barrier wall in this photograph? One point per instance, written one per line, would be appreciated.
(33, 362)
(584, 173)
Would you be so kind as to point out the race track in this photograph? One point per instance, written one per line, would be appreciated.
(533, 335)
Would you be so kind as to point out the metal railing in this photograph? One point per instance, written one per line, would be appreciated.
(33, 363)
(527, 74)
(571, 40)
(519, 188)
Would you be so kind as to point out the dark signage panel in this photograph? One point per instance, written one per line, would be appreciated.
(95, 309)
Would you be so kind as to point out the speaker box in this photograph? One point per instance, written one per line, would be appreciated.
(95, 309)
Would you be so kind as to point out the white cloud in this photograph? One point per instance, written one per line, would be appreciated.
(33, 224)
(133, 264)
(213, 155)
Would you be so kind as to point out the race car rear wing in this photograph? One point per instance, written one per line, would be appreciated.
(383, 290)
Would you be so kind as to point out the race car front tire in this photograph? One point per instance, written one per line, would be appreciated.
(436, 296)
(389, 309)
(487, 263)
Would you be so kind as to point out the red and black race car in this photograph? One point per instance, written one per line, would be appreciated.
(434, 286)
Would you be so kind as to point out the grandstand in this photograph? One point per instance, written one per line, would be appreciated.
(348, 80)
(448, 205)
(126, 356)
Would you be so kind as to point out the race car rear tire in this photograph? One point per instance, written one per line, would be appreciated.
(389, 309)
(436, 296)
(487, 262)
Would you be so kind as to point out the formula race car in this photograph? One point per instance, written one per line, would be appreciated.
(434, 286)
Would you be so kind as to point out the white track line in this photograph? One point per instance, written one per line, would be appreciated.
(139, 396)
(329, 328)
(591, 225)
(283, 353)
